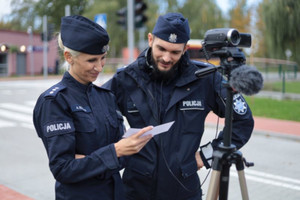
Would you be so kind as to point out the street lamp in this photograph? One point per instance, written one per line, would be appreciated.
(3, 47)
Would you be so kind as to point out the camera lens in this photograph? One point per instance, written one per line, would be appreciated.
(233, 37)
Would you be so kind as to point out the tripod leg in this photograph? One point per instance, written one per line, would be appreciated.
(224, 182)
(214, 184)
(243, 184)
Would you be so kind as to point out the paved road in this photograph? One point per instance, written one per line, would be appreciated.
(24, 165)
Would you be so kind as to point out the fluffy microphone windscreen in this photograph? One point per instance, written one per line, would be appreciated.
(247, 80)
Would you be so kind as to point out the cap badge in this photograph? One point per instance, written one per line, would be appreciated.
(105, 48)
(173, 37)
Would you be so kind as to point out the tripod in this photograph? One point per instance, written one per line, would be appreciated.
(224, 157)
(226, 153)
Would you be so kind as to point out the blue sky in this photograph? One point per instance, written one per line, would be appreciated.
(5, 7)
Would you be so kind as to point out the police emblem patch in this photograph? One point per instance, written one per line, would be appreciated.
(239, 104)
(173, 37)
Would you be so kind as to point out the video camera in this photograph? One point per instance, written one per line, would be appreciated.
(223, 43)
(226, 37)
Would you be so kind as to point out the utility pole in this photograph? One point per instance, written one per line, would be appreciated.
(130, 29)
(45, 47)
(67, 10)
(29, 31)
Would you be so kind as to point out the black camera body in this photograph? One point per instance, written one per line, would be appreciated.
(226, 37)
(224, 43)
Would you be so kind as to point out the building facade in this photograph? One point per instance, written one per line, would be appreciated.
(21, 53)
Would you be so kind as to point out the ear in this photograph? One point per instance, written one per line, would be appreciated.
(185, 49)
(68, 57)
(150, 39)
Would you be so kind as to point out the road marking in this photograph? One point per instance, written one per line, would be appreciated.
(272, 176)
(26, 125)
(15, 116)
(17, 107)
(6, 92)
(270, 179)
(17, 113)
(30, 103)
(4, 123)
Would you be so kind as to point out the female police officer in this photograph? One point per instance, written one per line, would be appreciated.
(76, 117)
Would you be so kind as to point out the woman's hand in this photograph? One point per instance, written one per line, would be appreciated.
(133, 144)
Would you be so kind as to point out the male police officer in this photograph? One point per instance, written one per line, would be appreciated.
(159, 87)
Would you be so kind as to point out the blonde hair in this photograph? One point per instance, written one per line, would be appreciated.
(64, 48)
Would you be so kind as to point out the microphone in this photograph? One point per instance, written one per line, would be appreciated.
(246, 80)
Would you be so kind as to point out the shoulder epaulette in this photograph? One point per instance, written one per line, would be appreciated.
(52, 92)
(121, 69)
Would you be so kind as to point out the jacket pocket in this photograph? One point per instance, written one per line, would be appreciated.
(193, 120)
(190, 178)
(84, 122)
(188, 169)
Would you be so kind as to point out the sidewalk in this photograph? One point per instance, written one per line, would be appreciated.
(267, 126)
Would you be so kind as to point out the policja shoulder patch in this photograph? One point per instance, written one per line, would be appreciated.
(58, 128)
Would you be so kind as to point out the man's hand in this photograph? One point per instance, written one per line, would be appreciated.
(199, 161)
(133, 144)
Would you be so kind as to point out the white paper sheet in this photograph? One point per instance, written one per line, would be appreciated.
(155, 131)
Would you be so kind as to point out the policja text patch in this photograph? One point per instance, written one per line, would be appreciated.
(191, 105)
(58, 128)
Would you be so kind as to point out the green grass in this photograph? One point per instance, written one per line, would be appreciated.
(276, 109)
(290, 86)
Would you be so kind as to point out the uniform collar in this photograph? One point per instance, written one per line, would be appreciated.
(70, 81)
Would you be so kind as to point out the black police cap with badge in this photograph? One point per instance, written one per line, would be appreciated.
(83, 35)
(172, 27)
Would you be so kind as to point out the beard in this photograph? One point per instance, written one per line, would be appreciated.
(163, 75)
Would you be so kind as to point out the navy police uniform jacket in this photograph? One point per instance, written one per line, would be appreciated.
(166, 167)
(72, 118)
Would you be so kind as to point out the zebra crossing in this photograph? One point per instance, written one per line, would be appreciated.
(16, 115)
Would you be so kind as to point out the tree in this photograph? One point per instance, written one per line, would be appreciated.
(23, 14)
(281, 19)
(240, 16)
(30, 12)
(118, 36)
(202, 15)
(259, 34)
(55, 9)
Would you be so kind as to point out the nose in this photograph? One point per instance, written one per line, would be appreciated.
(166, 57)
(98, 66)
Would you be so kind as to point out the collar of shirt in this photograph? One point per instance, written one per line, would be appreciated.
(70, 81)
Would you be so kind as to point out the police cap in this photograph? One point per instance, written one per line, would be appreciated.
(172, 27)
(83, 35)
